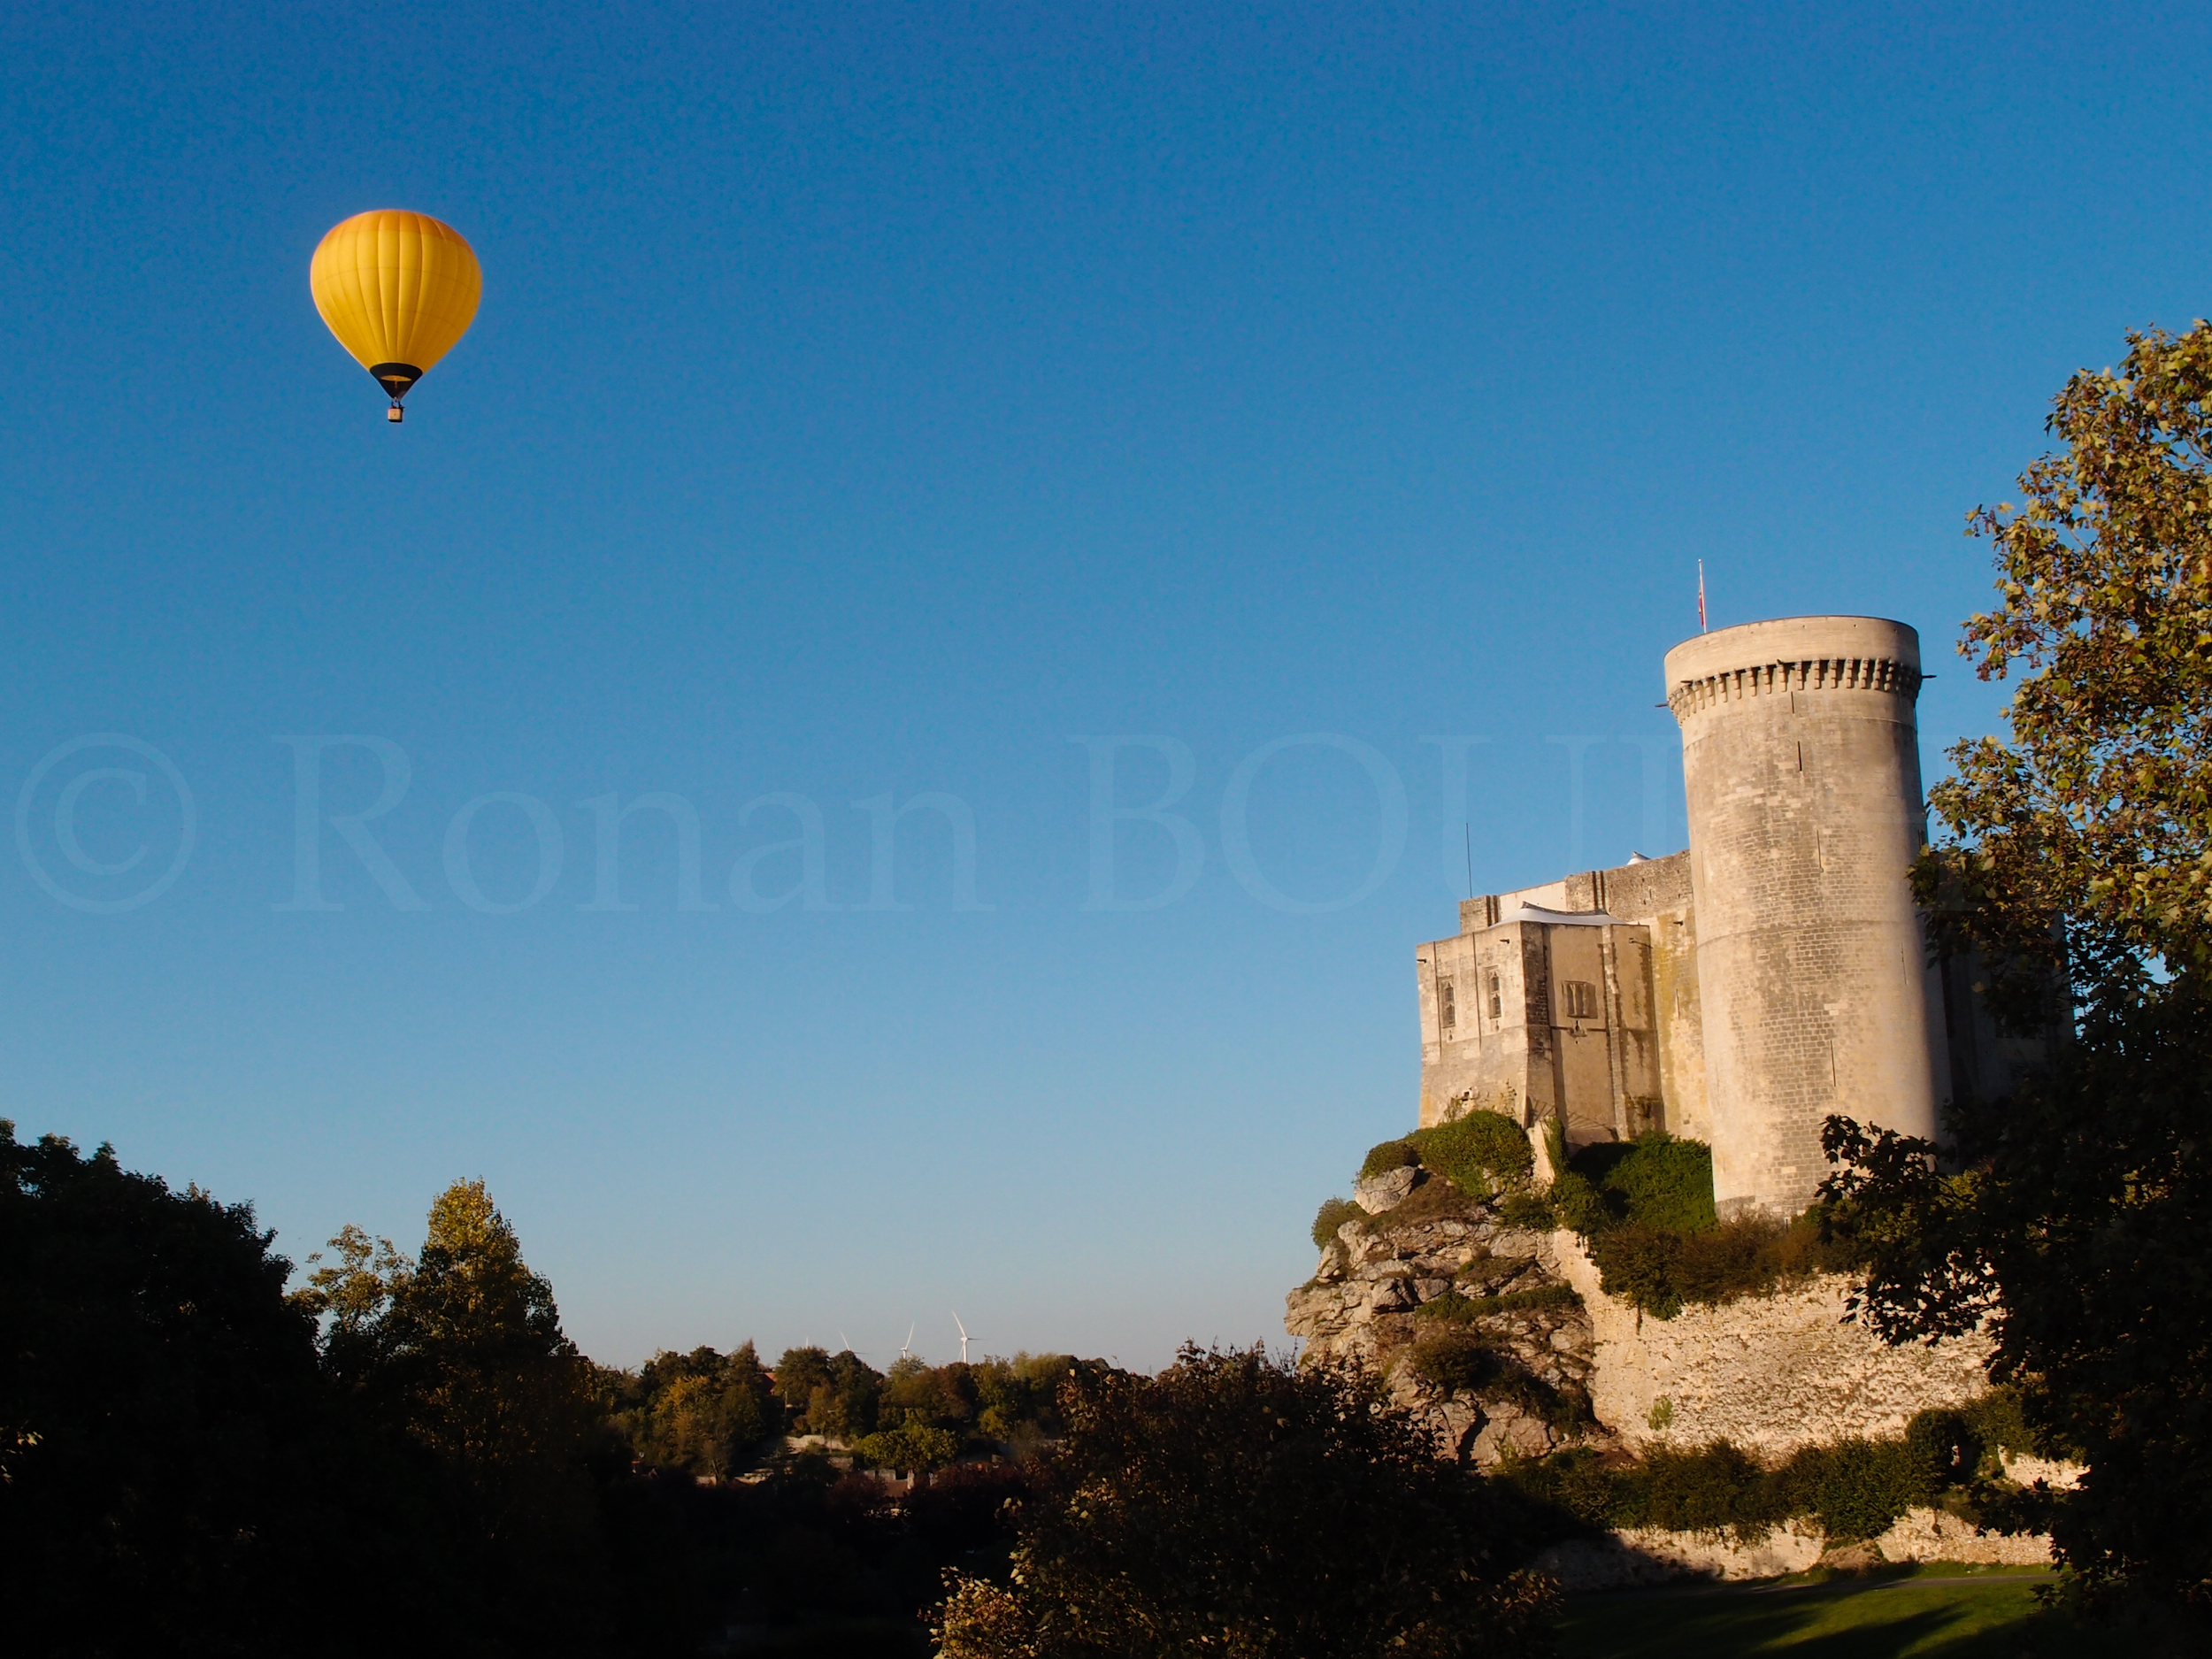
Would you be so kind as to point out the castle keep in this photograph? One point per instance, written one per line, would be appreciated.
(1740, 992)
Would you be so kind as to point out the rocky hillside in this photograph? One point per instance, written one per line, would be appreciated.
(1460, 1313)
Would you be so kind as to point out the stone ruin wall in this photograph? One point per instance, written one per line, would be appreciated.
(1771, 1373)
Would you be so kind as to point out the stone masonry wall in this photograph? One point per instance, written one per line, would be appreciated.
(1771, 1373)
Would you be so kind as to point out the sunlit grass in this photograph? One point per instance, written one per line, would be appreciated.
(1940, 1610)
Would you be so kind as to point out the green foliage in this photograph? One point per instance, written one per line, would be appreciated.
(408, 1456)
(1708, 1489)
(2071, 1223)
(1237, 1504)
(1480, 1153)
(1574, 1202)
(1530, 1209)
(830, 1394)
(1454, 1356)
(1660, 1271)
(1998, 1421)
(1431, 1201)
(1451, 1359)
(1456, 1308)
(1333, 1214)
(2097, 806)
(1855, 1488)
(1654, 1180)
(1391, 1155)
(2075, 865)
(1574, 1481)
(1019, 1397)
(1944, 1446)
(459, 1355)
(912, 1447)
(941, 1396)
(1555, 1145)
(703, 1413)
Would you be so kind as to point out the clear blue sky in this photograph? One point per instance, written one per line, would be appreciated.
(871, 399)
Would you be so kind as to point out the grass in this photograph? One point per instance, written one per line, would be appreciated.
(1939, 1609)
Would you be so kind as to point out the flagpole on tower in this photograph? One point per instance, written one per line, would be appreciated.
(1701, 595)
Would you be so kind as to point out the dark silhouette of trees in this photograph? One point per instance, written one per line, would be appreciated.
(1234, 1504)
(489, 1415)
(168, 1466)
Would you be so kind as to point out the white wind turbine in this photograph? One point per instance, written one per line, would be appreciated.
(907, 1347)
(964, 1338)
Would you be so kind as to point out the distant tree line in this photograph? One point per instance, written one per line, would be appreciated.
(408, 1454)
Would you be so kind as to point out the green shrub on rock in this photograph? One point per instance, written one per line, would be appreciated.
(1390, 1155)
(1333, 1214)
(1453, 1308)
(1527, 1209)
(1480, 1153)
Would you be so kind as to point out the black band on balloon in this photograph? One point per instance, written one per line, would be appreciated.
(396, 378)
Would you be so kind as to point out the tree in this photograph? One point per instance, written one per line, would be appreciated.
(2075, 1218)
(913, 1448)
(459, 1356)
(168, 1473)
(832, 1395)
(1236, 1505)
(2098, 807)
(700, 1412)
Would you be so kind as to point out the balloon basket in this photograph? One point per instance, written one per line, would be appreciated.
(395, 414)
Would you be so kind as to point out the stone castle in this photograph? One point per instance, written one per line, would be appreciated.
(1737, 993)
(1741, 991)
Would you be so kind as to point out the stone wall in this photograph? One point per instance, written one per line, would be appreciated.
(1638, 1555)
(1771, 1373)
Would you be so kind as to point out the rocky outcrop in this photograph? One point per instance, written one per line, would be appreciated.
(1478, 1279)
(1502, 1342)
(1375, 1194)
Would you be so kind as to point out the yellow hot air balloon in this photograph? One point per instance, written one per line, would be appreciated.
(399, 290)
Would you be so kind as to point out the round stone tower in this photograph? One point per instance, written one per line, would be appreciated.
(1801, 763)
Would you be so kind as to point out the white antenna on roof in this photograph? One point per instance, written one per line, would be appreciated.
(964, 1338)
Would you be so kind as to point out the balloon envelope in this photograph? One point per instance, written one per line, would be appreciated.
(399, 289)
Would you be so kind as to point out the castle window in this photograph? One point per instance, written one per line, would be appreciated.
(1446, 1013)
(1581, 998)
(1497, 1004)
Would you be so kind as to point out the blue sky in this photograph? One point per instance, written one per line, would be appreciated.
(871, 400)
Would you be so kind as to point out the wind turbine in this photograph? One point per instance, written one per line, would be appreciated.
(907, 1347)
(964, 1338)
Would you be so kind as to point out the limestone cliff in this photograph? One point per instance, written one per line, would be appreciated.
(1490, 1295)
(1428, 1267)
